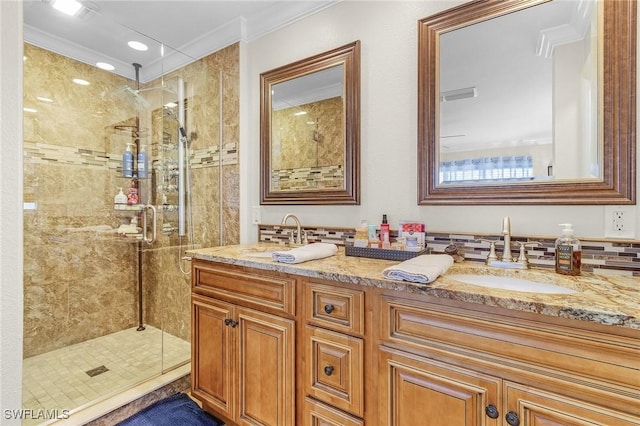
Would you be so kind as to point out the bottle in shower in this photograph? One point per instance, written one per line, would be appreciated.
(127, 162)
(143, 163)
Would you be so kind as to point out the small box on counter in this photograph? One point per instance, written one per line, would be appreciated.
(412, 233)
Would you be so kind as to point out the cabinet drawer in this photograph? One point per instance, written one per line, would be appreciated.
(337, 308)
(319, 414)
(600, 358)
(265, 291)
(334, 372)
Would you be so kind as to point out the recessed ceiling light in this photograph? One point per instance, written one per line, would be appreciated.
(43, 99)
(29, 110)
(105, 66)
(81, 82)
(137, 45)
(69, 7)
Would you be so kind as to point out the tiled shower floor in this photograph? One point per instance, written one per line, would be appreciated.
(58, 380)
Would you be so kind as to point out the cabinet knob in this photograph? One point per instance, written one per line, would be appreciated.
(512, 418)
(328, 308)
(492, 412)
(328, 370)
(232, 323)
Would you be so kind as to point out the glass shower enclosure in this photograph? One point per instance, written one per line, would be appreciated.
(106, 289)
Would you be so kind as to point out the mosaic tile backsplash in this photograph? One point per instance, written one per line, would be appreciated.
(598, 256)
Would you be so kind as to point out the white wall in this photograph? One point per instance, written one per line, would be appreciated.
(10, 209)
(388, 33)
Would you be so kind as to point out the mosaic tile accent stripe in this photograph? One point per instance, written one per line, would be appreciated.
(611, 257)
(38, 153)
(309, 177)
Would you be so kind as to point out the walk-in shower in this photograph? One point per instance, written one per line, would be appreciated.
(106, 308)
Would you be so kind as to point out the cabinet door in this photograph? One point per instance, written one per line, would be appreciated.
(527, 406)
(421, 391)
(211, 348)
(266, 369)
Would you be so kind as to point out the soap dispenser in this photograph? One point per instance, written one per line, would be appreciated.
(568, 252)
(120, 197)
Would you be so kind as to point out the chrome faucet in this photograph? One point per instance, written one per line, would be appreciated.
(298, 239)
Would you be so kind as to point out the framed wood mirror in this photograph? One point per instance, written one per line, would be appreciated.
(586, 154)
(310, 130)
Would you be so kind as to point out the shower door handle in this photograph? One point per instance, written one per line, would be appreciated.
(145, 233)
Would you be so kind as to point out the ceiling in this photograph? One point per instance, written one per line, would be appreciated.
(176, 31)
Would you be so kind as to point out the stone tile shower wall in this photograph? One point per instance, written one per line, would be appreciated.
(80, 278)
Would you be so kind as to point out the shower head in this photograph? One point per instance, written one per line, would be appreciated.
(137, 99)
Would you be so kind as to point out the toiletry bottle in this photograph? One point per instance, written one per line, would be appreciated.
(120, 198)
(127, 162)
(568, 252)
(361, 239)
(384, 229)
(143, 164)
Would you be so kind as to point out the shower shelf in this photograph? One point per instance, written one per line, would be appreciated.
(140, 207)
(129, 207)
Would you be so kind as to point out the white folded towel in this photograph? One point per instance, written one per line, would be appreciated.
(420, 269)
(302, 254)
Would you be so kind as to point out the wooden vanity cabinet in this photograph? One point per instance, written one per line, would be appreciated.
(243, 344)
(275, 349)
(445, 362)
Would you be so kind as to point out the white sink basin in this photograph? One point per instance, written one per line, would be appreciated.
(510, 283)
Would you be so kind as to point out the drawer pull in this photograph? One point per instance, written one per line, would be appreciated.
(512, 418)
(492, 412)
(328, 370)
(328, 308)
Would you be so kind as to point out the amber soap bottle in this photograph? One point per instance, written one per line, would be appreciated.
(568, 252)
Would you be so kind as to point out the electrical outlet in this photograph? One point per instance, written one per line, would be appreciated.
(619, 222)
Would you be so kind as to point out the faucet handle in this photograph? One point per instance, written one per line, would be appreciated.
(522, 259)
(492, 249)
(305, 239)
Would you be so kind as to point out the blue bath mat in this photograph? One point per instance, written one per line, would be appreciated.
(175, 410)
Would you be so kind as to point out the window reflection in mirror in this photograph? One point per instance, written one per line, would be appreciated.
(522, 107)
(601, 172)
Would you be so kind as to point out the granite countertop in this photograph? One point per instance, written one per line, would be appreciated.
(609, 300)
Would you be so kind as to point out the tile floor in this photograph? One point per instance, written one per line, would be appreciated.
(58, 380)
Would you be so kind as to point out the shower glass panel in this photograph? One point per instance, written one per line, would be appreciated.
(104, 309)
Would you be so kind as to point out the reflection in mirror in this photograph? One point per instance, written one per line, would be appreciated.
(527, 118)
(307, 137)
(522, 107)
(310, 135)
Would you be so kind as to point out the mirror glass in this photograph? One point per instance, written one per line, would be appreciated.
(517, 104)
(310, 130)
(522, 107)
